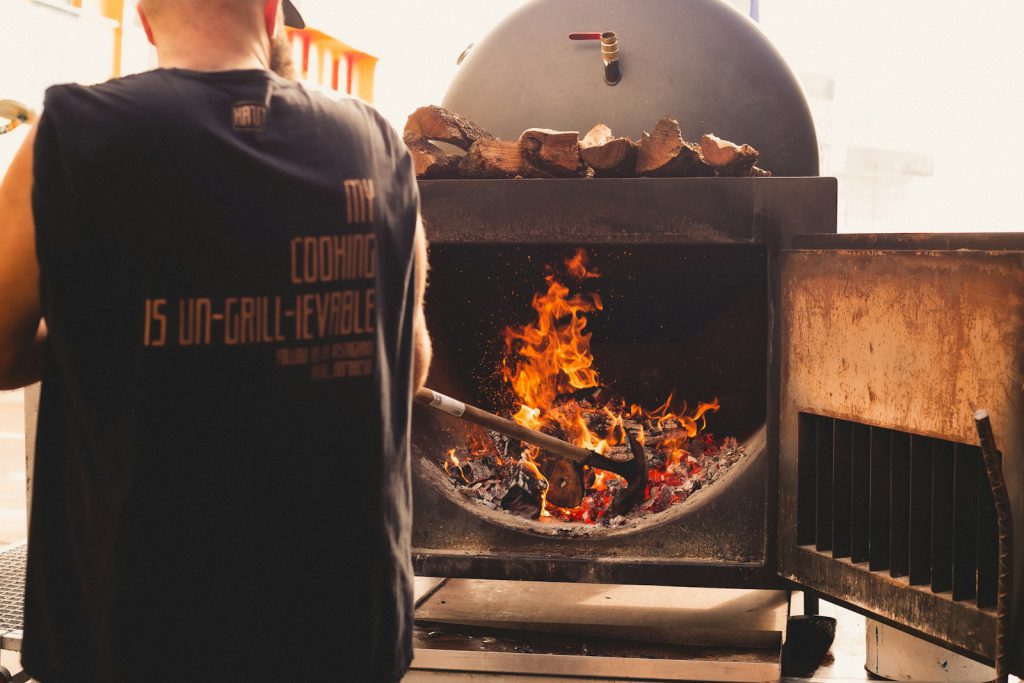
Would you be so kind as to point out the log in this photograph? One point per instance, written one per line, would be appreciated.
(760, 173)
(727, 158)
(664, 154)
(439, 124)
(609, 156)
(552, 153)
(565, 480)
(526, 492)
(429, 159)
(493, 159)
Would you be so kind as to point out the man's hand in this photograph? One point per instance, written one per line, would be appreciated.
(21, 330)
(422, 351)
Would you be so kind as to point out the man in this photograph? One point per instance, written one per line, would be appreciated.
(231, 273)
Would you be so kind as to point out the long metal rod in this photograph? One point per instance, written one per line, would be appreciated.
(446, 404)
(994, 469)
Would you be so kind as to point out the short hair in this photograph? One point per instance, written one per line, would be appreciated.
(154, 8)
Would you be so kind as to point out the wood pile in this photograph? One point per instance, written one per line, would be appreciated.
(544, 153)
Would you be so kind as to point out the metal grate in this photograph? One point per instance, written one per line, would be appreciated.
(12, 587)
(916, 507)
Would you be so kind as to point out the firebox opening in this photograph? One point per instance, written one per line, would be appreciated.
(689, 320)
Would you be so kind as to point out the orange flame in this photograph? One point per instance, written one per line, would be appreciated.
(551, 357)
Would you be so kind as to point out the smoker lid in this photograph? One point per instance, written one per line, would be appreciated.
(699, 61)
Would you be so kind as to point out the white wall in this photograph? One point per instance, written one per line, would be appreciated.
(41, 45)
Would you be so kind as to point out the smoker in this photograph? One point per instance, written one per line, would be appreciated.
(850, 366)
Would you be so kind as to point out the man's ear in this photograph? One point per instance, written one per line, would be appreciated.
(271, 10)
(145, 26)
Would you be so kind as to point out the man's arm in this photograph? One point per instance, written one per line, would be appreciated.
(21, 330)
(422, 351)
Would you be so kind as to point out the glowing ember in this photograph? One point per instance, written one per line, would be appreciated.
(553, 386)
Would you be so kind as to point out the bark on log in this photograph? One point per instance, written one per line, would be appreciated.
(430, 161)
(553, 153)
(493, 159)
(727, 158)
(609, 156)
(664, 154)
(437, 123)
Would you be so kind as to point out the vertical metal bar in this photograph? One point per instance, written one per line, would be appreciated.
(965, 522)
(993, 461)
(823, 517)
(988, 546)
(806, 496)
(942, 516)
(842, 442)
(899, 504)
(920, 510)
(811, 603)
(860, 470)
(878, 544)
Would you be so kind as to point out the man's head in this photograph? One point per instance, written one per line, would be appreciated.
(222, 26)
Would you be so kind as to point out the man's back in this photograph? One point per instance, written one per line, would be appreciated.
(222, 463)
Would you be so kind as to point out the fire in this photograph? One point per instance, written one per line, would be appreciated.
(550, 358)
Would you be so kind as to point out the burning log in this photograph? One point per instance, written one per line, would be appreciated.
(727, 158)
(526, 491)
(553, 153)
(493, 159)
(437, 123)
(609, 156)
(565, 482)
(664, 154)
(429, 159)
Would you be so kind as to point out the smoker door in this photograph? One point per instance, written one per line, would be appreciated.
(885, 354)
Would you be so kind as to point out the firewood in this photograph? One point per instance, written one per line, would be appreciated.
(526, 492)
(663, 153)
(429, 159)
(609, 156)
(493, 159)
(760, 173)
(565, 481)
(727, 158)
(437, 123)
(553, 153)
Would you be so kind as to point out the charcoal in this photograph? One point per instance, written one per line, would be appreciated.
(478, 470)
(661, 498)
(596, 396)
(506, 448)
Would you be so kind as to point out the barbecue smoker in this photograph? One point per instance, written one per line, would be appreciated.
(848, 366)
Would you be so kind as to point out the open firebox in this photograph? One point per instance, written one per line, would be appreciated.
(802, 401)
(619, 315)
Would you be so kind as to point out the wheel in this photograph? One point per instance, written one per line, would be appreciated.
(5, 675)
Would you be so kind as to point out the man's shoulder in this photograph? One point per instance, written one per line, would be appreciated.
(126, 90)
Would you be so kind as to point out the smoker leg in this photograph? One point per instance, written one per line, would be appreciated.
(809, 637)
(810, 604)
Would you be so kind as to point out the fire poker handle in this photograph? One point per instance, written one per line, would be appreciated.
(551, 444)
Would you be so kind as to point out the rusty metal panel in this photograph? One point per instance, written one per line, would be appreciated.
(912, 341)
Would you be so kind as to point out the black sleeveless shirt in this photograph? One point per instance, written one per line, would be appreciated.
(221, 485)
